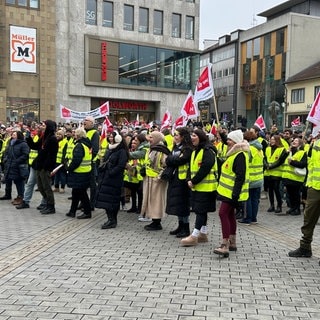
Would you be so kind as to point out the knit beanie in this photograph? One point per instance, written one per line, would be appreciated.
(236, 136)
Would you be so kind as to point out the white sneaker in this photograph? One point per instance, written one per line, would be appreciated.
(144, 219)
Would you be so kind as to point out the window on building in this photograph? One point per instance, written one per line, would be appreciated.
(176, 25)
(249, 51)
(280, 41)
(143, 20)
(267, 45)
(231, 89)
(150, 66)
(316, 91)
(225, 72)
(128, 64)
(297, 95)
(190, 1)
(219, 74)
(91, 12)
(256, 49)
(147, 66)
(128, 17)
(231, 70)
(32, 4)
(158, 22)
(107, 14)
(189, 27)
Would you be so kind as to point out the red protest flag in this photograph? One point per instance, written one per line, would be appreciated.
(295, 122)
(260, 123)
(314, 114)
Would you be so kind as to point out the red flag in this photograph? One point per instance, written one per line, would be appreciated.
(295, 122)
(65, 112)
(204, 87)
(166, 121)
(314, 114)
(189, 109)
(260, 123)
(180, 122)
(106, 123)
(213, 128)
(104, 109)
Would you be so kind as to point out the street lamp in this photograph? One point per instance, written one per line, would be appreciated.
(284, 112)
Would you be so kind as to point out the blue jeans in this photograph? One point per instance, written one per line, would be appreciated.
(252, 205)
(29, 187)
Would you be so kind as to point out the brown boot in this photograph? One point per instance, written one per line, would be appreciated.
(189, 241)
(223, 250)
(17, 201)
(203, 237)
(232, 243)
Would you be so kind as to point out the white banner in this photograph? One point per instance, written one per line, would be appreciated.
(68, 114)
(23, 49)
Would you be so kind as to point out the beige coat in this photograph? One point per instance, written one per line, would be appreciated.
(155, 189)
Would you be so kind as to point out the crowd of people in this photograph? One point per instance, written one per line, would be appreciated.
(165, 172)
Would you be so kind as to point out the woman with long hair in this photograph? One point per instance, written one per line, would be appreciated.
(292, 180)
(275, 156)
(178, 192)
(203, 184)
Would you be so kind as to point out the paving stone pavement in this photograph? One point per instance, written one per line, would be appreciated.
(54, 267)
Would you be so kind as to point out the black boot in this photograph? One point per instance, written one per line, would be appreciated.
(111, 223)
(154, 225)
(178, 230)
(278, 209)
(6, 197)
(271, 209)
(185, 232)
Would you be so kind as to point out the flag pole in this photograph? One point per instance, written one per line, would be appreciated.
(216, 110)
(305, 130)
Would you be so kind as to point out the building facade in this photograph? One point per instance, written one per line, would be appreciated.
(141, 57)
(28, 59)
(273, 52)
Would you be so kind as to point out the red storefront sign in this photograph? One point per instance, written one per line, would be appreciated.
(128, 105)
(103, 61)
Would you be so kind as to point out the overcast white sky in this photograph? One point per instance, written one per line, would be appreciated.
(220, 17)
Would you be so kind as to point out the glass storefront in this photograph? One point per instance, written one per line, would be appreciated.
(22, 110)
(156, 67)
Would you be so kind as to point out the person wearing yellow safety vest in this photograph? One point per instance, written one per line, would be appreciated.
(133, 179)
(32, 179)
(60, 177)
(312, 212)
(233, 189)
(110, 179)
(79, 171)
(292, 180)
(155, 188)
(178, 192)
(202, 180)
(275, 156)
(94, 136)
(168, 138)
(255, 176)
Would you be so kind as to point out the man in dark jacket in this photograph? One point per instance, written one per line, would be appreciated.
(47, 147)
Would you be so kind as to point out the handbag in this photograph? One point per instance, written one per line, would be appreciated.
(300, 171)
(24, 170)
